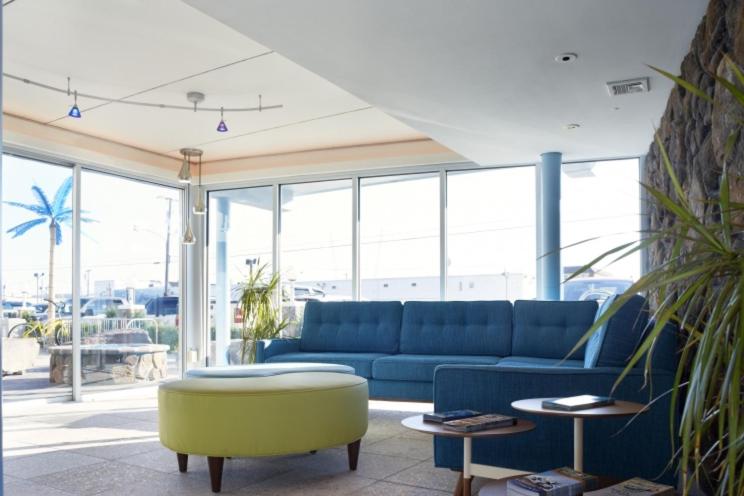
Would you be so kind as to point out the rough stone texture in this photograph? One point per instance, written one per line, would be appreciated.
(123, 365)
(694, 131)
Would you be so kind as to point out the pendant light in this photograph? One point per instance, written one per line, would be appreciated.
(185, 176)
(74, 110)
(200, 208)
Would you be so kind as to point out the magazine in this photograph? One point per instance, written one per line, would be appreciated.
(551, 483)
(440, 417)
(635, 487)
(573, 403)
(480, 423)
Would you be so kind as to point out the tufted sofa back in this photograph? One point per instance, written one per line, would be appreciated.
(457, 328)
(550, 329)
(352, 326)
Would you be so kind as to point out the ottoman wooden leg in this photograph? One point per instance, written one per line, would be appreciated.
(183, 462)
(215, 472)
(353, 450)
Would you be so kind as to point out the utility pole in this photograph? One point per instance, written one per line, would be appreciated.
(167, 243)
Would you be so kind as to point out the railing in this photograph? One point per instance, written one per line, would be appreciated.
(98, 326)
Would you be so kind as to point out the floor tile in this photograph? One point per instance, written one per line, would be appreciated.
(31, 466)
(390, 489)
(19, 487)
(418, 449)
(100, 478)
(427, 476)
(308, 483)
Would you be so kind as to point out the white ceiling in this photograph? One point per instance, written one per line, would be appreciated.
(159, 50)
(479, 76)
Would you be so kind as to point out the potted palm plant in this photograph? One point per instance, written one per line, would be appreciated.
(261, 316)
(700, 289)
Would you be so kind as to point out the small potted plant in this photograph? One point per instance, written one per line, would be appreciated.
(261, 316)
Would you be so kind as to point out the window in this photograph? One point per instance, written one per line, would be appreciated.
(130, 265)
(399, 237)
(240, 240)
(36, 271)
(599, 200)
(491, 234)
(315, 241)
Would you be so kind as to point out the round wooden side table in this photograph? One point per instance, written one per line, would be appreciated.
(618, 409)
(469, 469)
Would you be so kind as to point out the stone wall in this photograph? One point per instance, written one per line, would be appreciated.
(694, 131)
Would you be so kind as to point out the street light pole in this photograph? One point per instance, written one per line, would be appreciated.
(167, 245)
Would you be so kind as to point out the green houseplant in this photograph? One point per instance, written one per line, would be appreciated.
(700, 288)
(260, 315)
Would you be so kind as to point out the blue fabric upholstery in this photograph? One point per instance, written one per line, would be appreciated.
(351, 326)
(550, 329)
(360, 362)
(420, 368)
(267, 348)
(520, 361)
(400, 390)
(611, 448)
(665, 352)
(456, 328)
(616, 339)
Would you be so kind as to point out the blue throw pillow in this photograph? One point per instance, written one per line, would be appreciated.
(614, 342)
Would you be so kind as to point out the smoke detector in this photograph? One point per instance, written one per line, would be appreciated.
(628, 86)
(565, 58)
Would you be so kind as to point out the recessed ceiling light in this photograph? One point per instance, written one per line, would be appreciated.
(565, 58)
(572, 126)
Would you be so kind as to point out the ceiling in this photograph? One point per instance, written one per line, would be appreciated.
(480, 77)
(156, 51)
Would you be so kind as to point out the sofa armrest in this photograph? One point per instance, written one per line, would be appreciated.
(620, 447)
(267, 348)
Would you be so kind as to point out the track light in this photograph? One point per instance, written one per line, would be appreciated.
(222, 127)
(75, 110)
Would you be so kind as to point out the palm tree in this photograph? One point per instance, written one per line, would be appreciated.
(56, 213)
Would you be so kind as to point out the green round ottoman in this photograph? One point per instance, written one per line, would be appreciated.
(262, 416)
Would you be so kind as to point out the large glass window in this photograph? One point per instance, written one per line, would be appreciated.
(399, 237)
(491, 234)
(599, 200)
(130, 281)
(240, 241)
(315, 245)
(37, 278)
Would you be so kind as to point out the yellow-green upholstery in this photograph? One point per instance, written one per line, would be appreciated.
(262, 416)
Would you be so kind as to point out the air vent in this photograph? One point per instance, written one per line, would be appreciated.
(627, 87)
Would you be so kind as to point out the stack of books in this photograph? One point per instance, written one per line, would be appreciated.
(469, 420)
(635, 487)
(562, 481)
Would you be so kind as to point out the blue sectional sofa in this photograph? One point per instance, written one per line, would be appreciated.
(485, 354)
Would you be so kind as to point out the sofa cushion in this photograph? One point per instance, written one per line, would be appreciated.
(360, 362)
(550, 329)
(521, 361)
(456, 328)
(420, 368)
(351, 326)
(616, 339)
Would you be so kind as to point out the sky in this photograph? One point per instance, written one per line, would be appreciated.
(125, 243)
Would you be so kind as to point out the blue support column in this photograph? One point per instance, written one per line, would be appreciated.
(549, 226)
(222, 293)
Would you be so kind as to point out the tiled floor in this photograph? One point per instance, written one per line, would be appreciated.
(111, 447)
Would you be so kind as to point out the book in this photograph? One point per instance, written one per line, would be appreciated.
(439, 417)
(479, 423)
(559, 482)
(635, 487)
(574, 403)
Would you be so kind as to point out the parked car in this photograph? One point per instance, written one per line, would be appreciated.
(594, 288)
(99, 305)
(65, 308)
(162, 306)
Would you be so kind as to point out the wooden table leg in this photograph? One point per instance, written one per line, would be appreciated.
(466, 486)
(458, 487)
